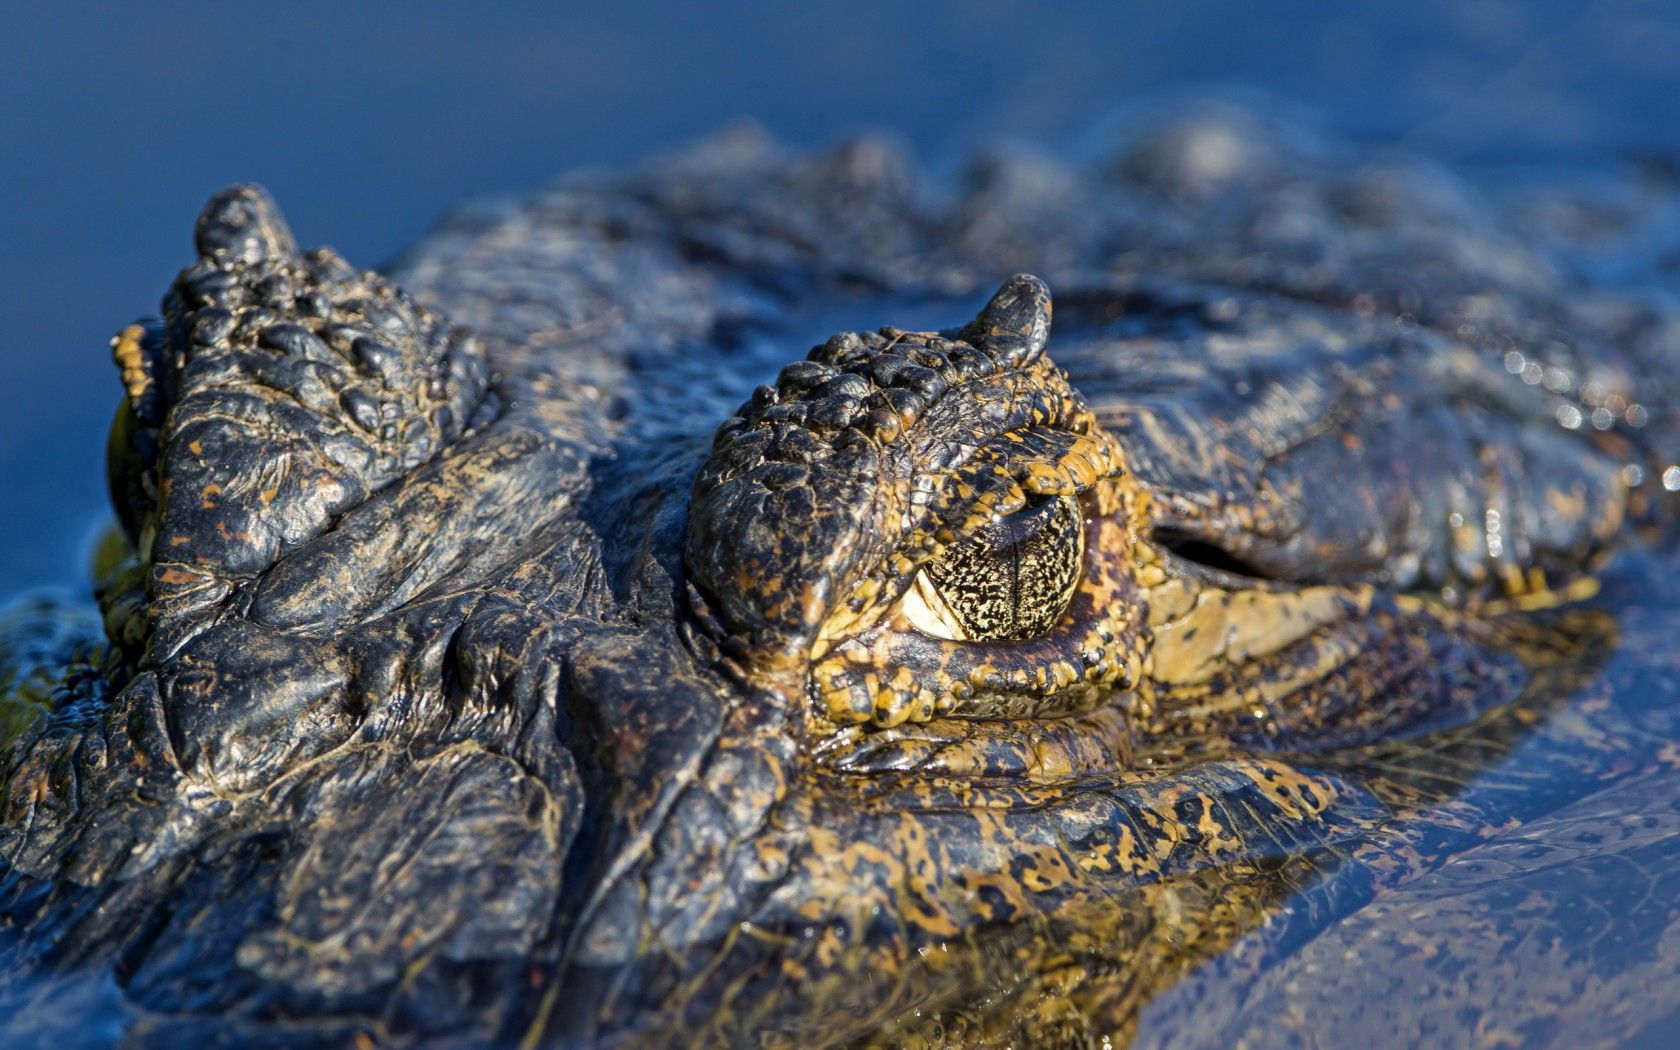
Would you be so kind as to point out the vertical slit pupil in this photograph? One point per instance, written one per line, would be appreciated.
(1017, 537)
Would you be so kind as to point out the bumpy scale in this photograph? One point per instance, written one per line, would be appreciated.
(460, 679)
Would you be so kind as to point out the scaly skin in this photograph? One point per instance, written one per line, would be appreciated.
(464, 678)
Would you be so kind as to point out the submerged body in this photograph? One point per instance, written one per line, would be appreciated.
(489, 659)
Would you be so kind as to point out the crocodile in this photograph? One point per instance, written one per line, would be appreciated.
(526, 644)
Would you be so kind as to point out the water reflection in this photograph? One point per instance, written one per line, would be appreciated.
(1531, 899)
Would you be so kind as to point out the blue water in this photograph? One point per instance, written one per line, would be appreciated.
(370, 120)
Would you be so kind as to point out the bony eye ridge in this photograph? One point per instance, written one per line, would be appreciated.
(1012, 579)
(920, 527)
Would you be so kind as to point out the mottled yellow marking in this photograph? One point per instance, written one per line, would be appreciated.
(1263, 624)
(131, 359)
(1188, 649)
(1201, 630)
(1566, 504)
(1297, 795)
(1575, 591)
(1170, 600)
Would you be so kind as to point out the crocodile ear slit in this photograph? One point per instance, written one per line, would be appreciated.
(1016, 322)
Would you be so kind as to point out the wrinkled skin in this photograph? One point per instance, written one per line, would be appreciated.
(485, 659)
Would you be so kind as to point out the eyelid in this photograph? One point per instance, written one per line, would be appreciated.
(927, 612)
(1004, 476)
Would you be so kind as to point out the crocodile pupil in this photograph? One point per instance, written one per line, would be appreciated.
(1014, 577)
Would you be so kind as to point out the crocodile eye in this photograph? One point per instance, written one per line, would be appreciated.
(1010, 580)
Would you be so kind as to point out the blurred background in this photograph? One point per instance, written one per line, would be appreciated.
(369, 121)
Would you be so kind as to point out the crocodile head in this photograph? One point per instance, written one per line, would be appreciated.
(936, 531)
(451, 690)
